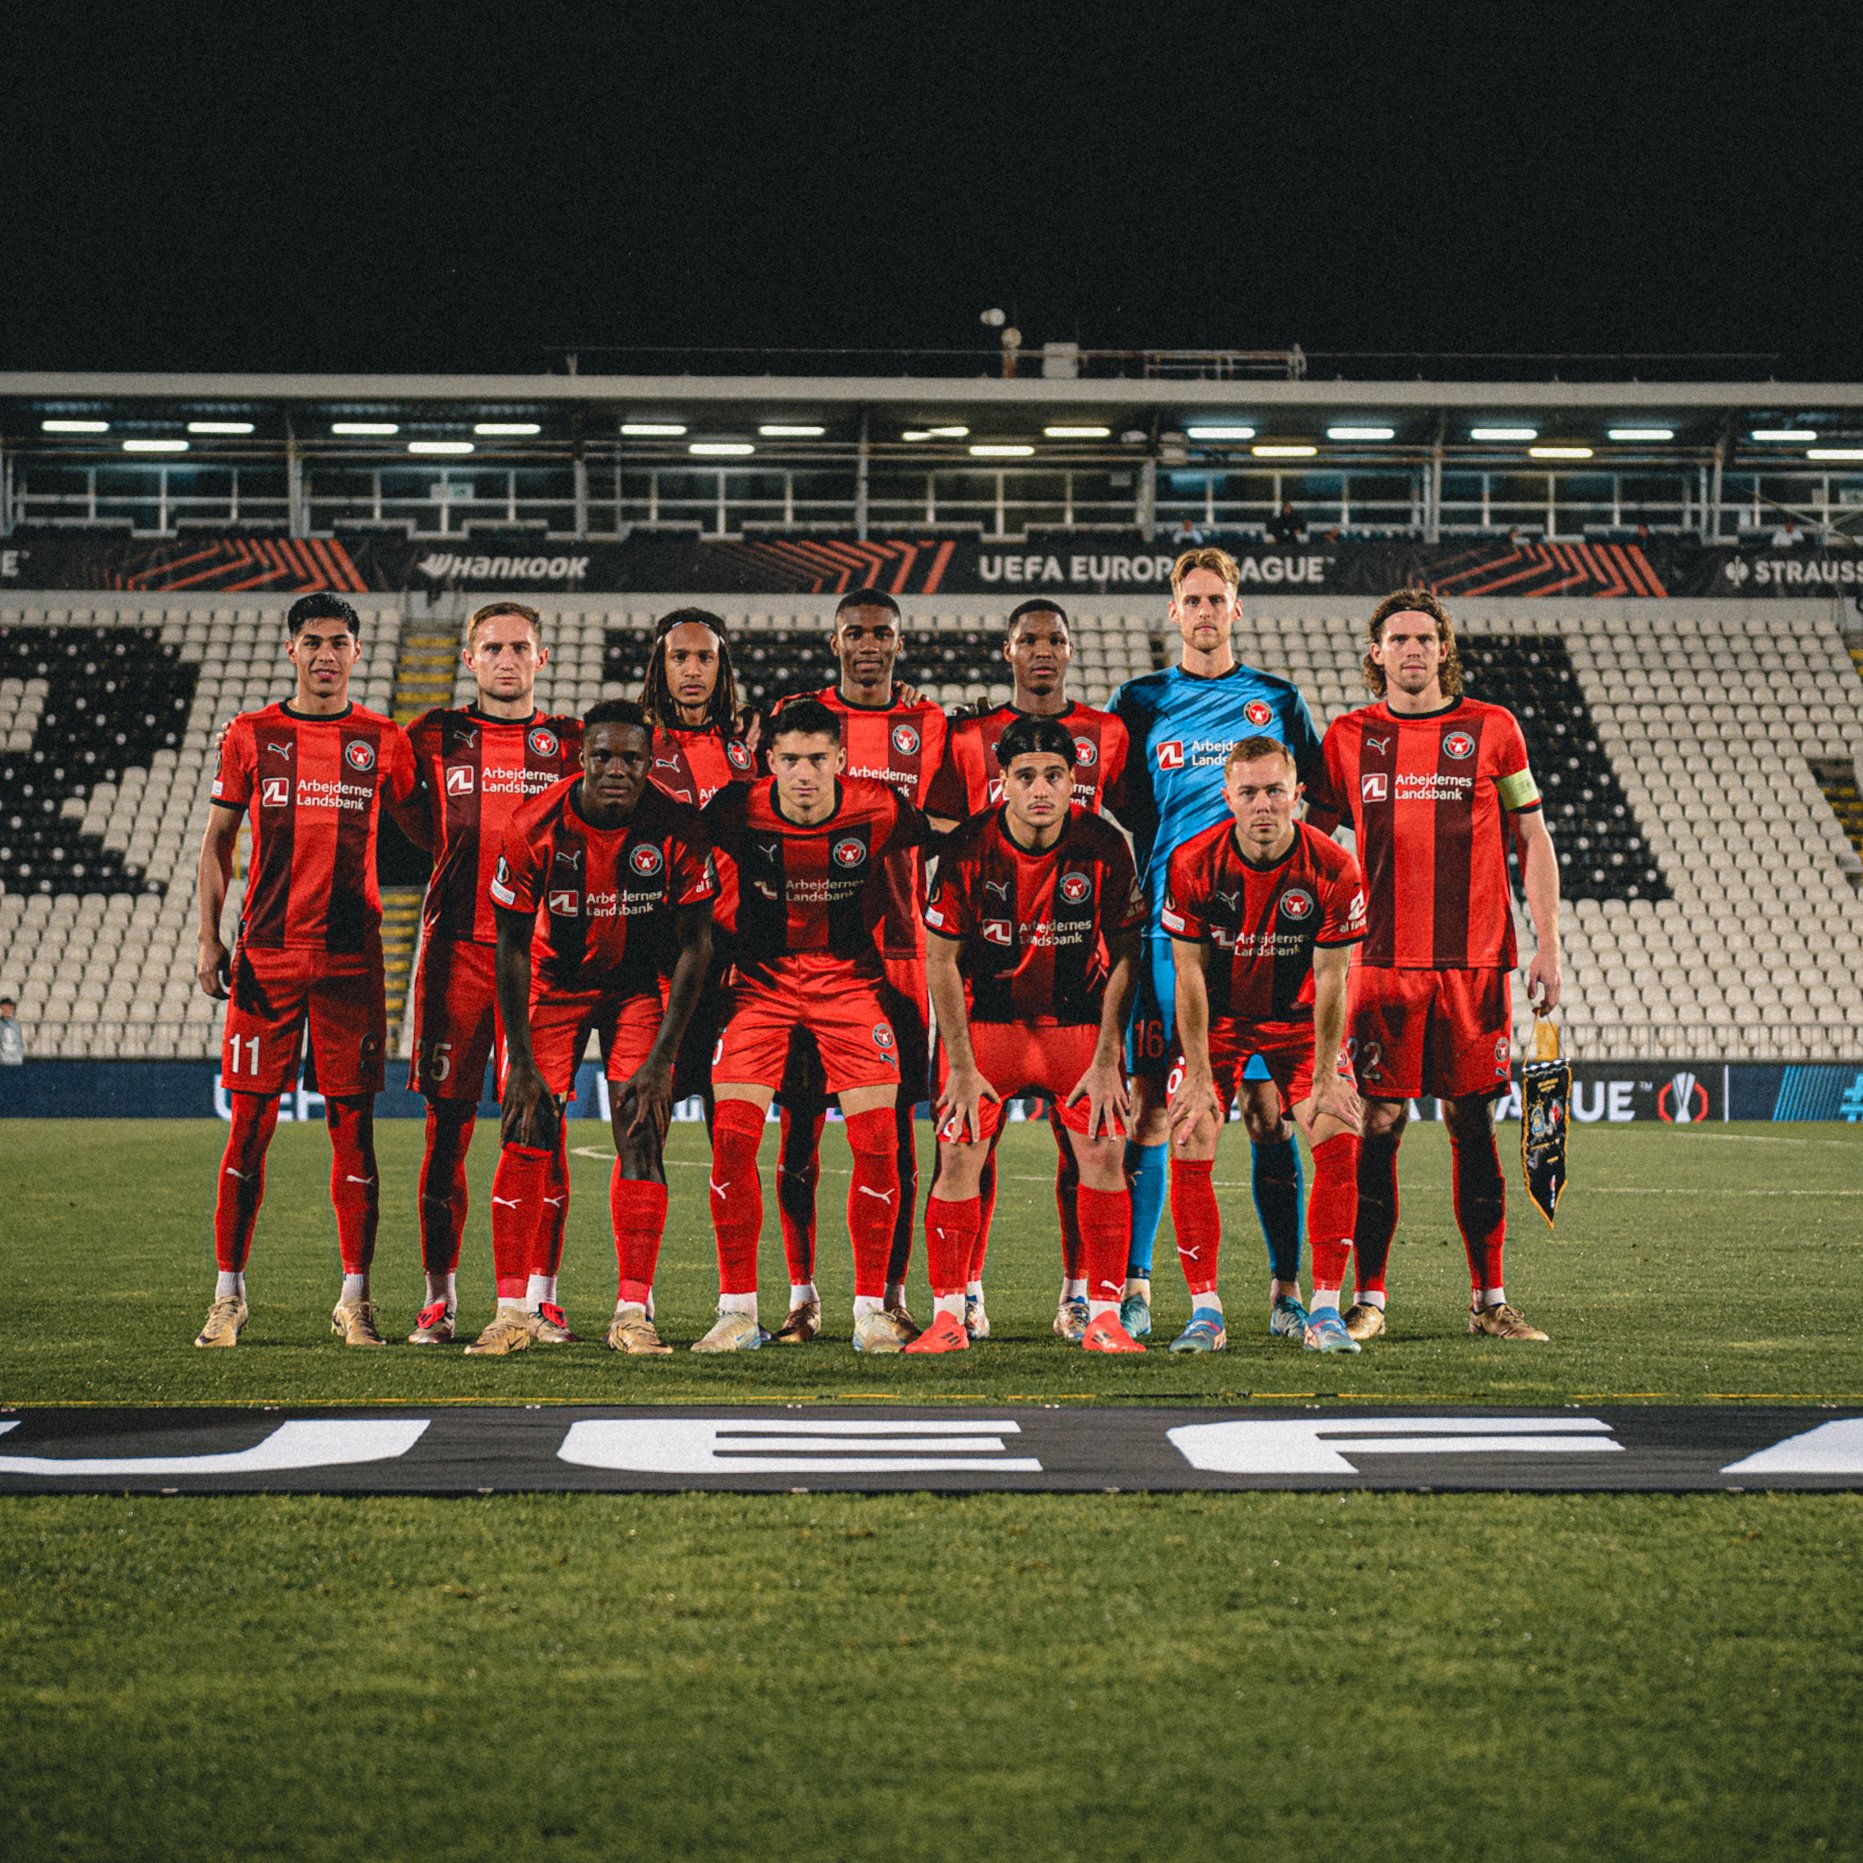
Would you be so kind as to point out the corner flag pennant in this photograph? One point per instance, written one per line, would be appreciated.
(1545, 1112)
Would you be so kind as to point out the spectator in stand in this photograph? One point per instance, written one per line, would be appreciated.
(12, 1042)
(1286, 526)
(1788, 536)
(1643, 532)
(1187, 536)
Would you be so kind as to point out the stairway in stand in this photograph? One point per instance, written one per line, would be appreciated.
(424, 677)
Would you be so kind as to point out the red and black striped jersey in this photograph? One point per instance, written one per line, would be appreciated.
(603, 896)
(901, 746)
(1428, 797)
(970, 779)
(786, 889)
(691, 763)
(478, 772)
(312, 789)
(1035, 928)
(1262, 923)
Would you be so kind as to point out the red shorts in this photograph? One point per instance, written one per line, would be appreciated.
(456, 1027)
(1444, 1032)
(825, 999)
(275, 993)
(905, 1004)
(1020, 1057)
(1278, 1051)
(561, 1022)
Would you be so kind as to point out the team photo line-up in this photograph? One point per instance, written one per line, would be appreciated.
(853, 897)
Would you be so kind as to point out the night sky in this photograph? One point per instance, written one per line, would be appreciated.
(429, 195)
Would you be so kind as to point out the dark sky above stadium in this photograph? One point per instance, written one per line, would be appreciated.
(402, 189)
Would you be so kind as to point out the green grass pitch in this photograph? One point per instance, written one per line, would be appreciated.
(1264, 1675)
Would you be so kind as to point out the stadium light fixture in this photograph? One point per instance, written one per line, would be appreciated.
(1361, 433)
(949, 433)
(155, 446)
(790, 430)
(653, 430)
(74, 426)
(1064, 432)
(507, 429)
(447, 447)
(1503, 433)
(1785, 435)
(1283, 452)
(916, 433)
(1219, 433)
(720, 449)
(1835, 453)
(1001, 449)
(219, 426)
(1559, 452)
(365, 429)
(1641, 433)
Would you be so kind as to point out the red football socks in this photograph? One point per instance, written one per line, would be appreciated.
(1066, 1183)
(1332, 1207)
(242, 1179)
(1105, 1237)
(906, 1171)
(737, 1193)
(986, 1204)
(518, 1215)
(1377, 1210)
(950, 1241)
(1480, 1205)
(1197, 1221)
(443, 1200)
(798, 1175)
(873, 1198)
(354, 1188)
(639, 1213)
(554, 1219)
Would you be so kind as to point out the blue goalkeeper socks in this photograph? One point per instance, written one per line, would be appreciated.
(1145, 1173)
(1276, 1180)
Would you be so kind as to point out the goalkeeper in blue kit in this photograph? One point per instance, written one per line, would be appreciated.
(1181, 723)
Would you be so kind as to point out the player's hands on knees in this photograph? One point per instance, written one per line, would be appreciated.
(644, 1101)
(1335, 1097)
(213, 970)
(529, 1115)
(960, 1104)
(1109, 1100)
(1192, 1104)
(1543, 981)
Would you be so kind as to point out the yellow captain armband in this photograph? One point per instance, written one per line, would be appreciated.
(1518, 791)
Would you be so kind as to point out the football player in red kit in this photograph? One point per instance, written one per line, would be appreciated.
(1263, 912)
(604, 893)
(807, 871)
(689, 693)
(311, 775)
(1433, 783)
(891, 736)
(479, 764)
(1034, 918)
(1039, 650)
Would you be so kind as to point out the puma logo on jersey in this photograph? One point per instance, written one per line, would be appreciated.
(719, 1189)
(1377, 743)
(278, 750)
(238, 1174)
(553, 1201)
(885, 1196)
(358, 1180)
(510, 1203)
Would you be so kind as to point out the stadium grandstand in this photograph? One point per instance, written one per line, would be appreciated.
(1656, 577)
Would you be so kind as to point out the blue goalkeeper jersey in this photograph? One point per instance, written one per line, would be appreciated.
(1182, 726)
